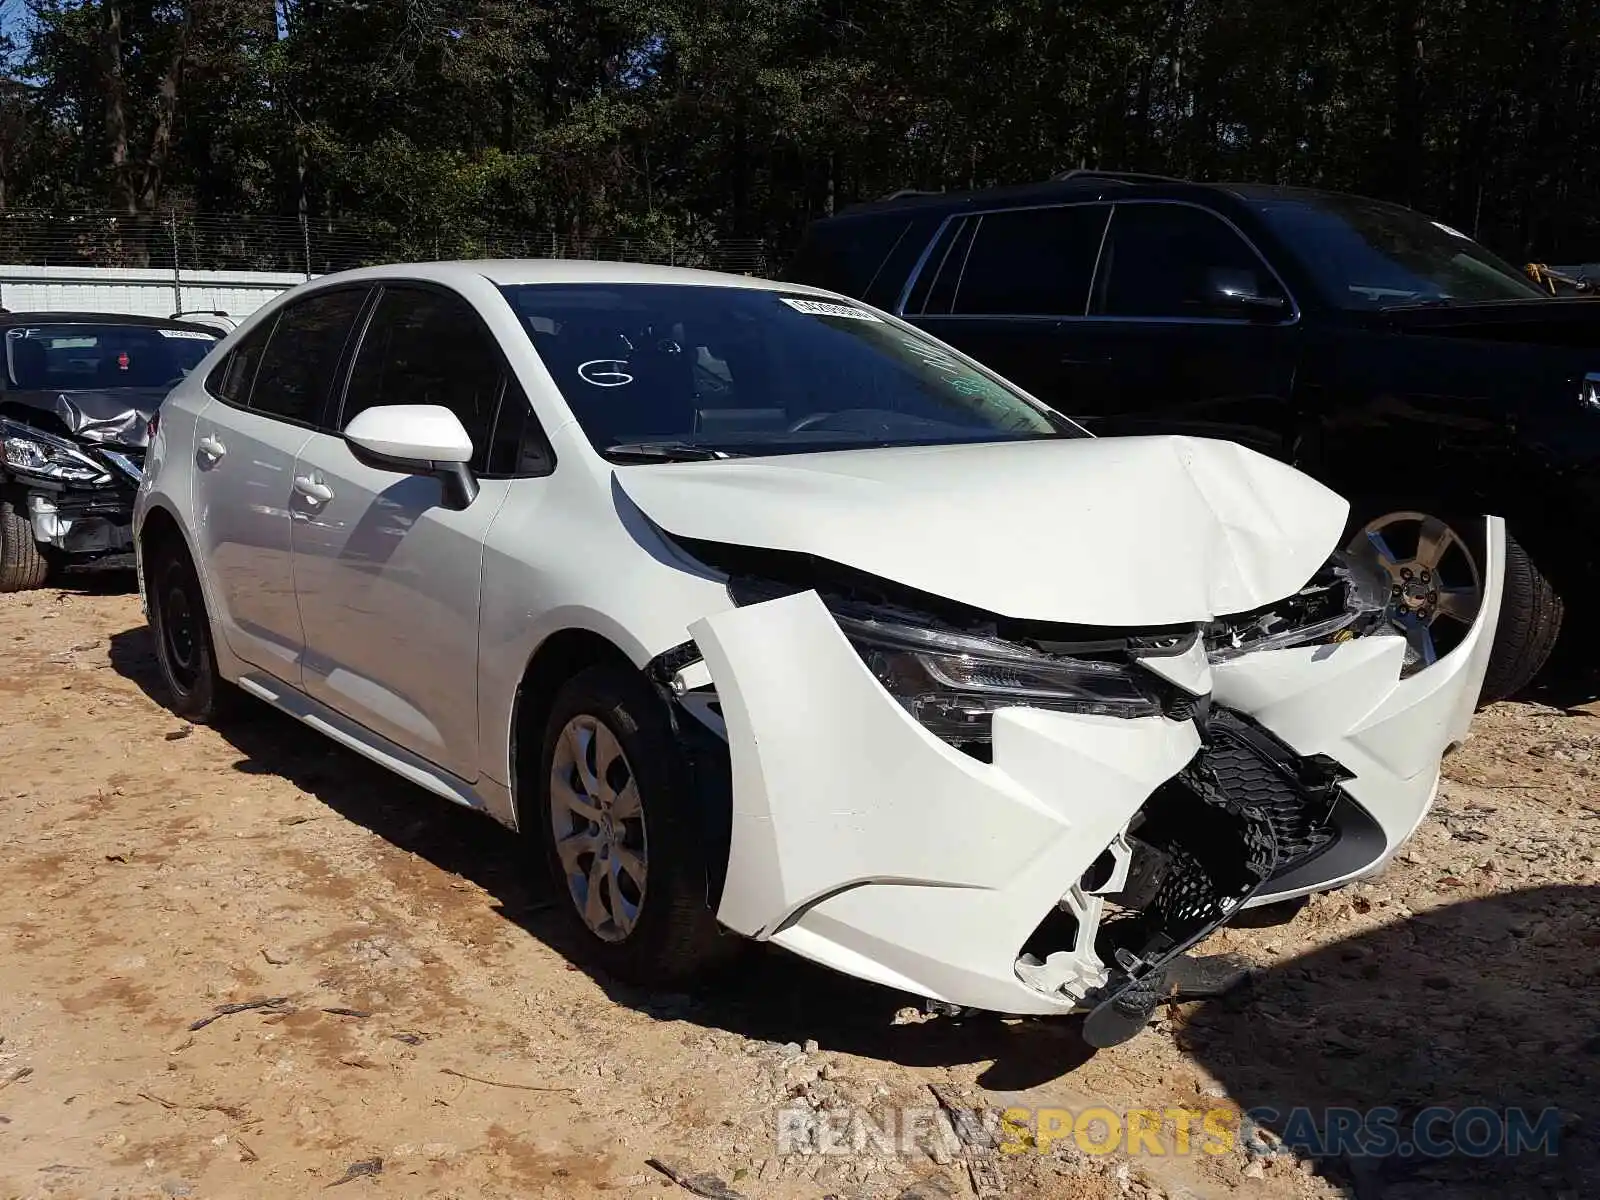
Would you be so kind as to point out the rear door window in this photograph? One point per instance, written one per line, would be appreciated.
(235, 375)
(1172, 260)
(953, 270)
(301, 362)
(887, 284)
(1029, 262)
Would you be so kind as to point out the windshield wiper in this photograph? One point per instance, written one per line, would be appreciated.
(665, 452)
(1424, 302)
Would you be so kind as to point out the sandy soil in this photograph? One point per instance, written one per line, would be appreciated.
(428, 1035)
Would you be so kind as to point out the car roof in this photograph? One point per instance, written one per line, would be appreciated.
(507, 272)
(47, 317)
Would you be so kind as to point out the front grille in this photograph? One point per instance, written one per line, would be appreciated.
(1295, 794)
(1245, 809)
(1207, 852)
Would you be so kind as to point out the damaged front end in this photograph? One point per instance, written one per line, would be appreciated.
(75, 489)
(1036, 818)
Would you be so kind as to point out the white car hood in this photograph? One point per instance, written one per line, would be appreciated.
(1126, 532)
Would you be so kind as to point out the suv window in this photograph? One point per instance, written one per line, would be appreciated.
(1029, 262)
(1173, 260)
(424, 346)
(302, 358)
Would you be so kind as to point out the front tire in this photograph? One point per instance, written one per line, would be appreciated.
(620, 838)
(182, 630)
(23, 566)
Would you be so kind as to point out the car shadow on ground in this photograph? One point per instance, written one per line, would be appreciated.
(1494, 1001)
(95, 579)
(764, 993)
(1490, 1004)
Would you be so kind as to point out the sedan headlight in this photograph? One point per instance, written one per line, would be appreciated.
(30, 452)
(953, 683)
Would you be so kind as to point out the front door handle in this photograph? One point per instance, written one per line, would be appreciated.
(211, 448)
(313, 489)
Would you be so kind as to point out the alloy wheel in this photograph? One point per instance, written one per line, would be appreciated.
(1435, 588)
(597, 816)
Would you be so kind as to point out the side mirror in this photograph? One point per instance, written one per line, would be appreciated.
(419, 439)
(1233, 290)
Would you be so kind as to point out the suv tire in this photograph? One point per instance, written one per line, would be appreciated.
(1530, 621)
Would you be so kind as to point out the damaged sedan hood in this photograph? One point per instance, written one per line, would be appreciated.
(1125, 532)
(110, 416)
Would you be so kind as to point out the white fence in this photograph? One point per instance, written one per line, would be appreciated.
(138, 291)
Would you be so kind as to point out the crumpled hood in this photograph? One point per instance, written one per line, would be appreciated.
(1128, 532)
(111, 417)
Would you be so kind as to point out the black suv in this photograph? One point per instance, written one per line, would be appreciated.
(1385, 353)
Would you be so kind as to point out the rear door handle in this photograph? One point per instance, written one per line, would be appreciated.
(211, 448)
(313, 489)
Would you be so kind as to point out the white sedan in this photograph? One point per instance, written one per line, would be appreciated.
(772, 617)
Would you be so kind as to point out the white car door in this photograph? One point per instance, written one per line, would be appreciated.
(387, 573)
(268, 395)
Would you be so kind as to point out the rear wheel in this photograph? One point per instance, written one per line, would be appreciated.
(183, 637)
(619, 834)
(23, 565)
(1434, 566)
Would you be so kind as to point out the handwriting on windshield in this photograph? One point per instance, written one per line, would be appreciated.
(605, 372)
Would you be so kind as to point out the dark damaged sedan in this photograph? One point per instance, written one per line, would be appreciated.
(77, 395)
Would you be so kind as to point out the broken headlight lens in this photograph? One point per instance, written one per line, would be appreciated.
(30, 452)
(953, 683)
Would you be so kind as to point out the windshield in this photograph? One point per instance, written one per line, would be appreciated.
(676, 371)
(1367, 255)
(99, 357)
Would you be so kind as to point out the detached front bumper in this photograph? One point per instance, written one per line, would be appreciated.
(863, 842)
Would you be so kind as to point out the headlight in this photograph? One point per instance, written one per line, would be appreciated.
(953, 683)
(30, 452)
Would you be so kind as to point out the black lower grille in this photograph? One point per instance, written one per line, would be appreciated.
(1245, 809)
(1295, 794)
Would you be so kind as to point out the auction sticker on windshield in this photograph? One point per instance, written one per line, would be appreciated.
(821, 308)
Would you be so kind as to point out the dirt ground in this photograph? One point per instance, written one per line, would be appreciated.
(428, 1035)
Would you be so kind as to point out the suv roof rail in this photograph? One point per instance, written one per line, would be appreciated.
(1123, 176)
(903, 192)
